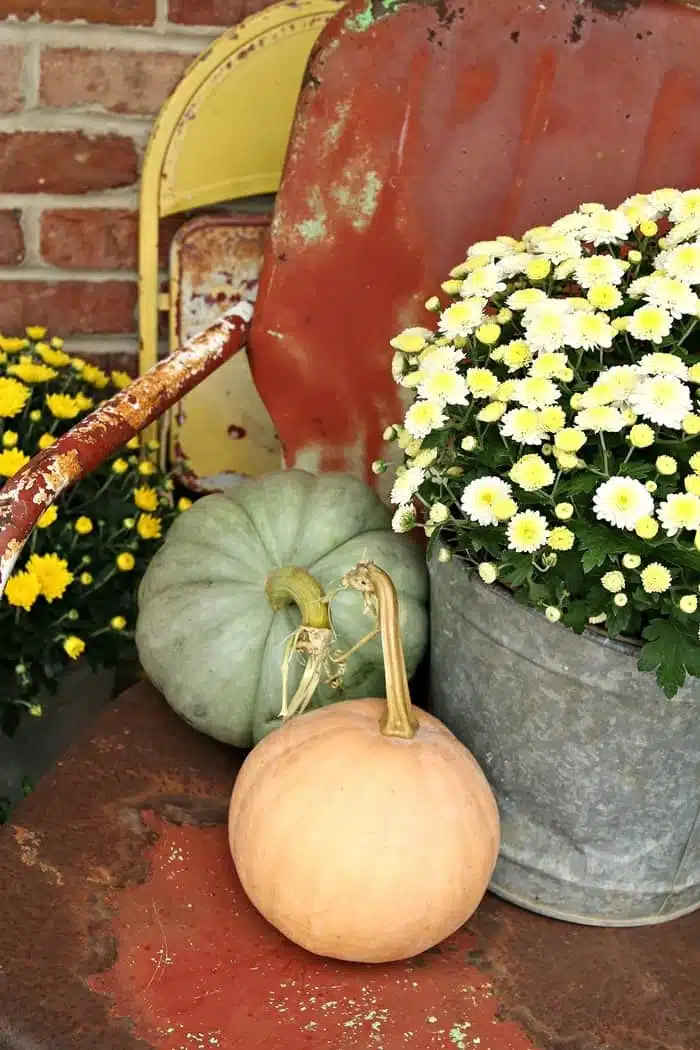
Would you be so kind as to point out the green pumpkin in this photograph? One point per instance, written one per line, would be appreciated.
(207, 633)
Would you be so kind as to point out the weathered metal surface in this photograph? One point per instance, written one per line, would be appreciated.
(423, 127)
(596, 773)
(26, 495)
(221, 427)
(124, 928)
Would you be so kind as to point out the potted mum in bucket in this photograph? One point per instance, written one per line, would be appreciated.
(552, 455)
(69, 607)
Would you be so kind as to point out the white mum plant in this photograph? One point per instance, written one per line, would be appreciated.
(553, 438)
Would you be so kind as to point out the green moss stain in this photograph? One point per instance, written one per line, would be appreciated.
(357, 197)
(314, 228)
(458, 1035)
(369, 198)
(334, 130)
(363, 20)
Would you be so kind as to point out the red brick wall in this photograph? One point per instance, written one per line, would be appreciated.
(80, 83)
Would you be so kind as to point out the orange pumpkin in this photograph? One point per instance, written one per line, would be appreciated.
(365, 831)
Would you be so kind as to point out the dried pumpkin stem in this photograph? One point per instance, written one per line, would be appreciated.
(399, 719)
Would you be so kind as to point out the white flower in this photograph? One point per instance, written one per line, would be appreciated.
(545, 325)
(663, 400)
(669, 294)
(554, 245)
(462, 318)
(642, 206)
(445, 388)
(573, 223)
(600, 269)
(687, 206)
(680, 510)
(622, 502)
(682, 262)
(524, 425)
(664, 199)
(589, 331)
(660, 364)
(485, 281)
(407, 484)
(600, 418)
(482, 498)
(688, 230)
(606, 227)
(490, 249)
(527, 531)
(650, 323)
(515, 263)
(439, 358)
(398, 366)
(423, 417)
(411, 340)
(404, 519)
(525, 297)
(536, 392)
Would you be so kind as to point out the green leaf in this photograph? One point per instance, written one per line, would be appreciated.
(599, 544)
(672, 651)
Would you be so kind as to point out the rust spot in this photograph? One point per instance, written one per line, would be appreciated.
(236, 432)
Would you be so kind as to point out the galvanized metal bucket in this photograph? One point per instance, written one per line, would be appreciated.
(596, 773)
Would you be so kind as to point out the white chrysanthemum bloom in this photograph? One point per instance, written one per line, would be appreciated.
(482, 498)
(551, 366)
(600, 419)
(491, 249)
(485, 281)
(622, 502)
(524, 425)
(650, 324)
(545, 328)
(640, 207)
(440, 358)
(589, 331)
(672, 295)
(411, 340)
(688, 230)
(445, 387)
(462, 318)
(682, 262)
(663, 400)
(536, 392)
(600, 269)
(511, 265)
(554, 245)
(531, 473)
(482, 382)
(423, 417)
(680, 510)
(606, 227)
(621, 379)
(664, 199)
(573, 223)
(685, 207)
(661, 364)
(407, 484)
(527, 531)
(525, 298)
(404, 519)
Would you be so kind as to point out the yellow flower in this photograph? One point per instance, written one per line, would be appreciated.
(133, 443)
(149, 527)
(11, 344)
(35, 331)
(553, 614)
(634, 256)
(648, 228)
(146, 498)
(83, 402)
(631, 561)
(564, 511)
(570, 439)
(11, 460)
(95, 376)
(482, 382)
(62, 406)
(57, 342)
(531, 473)
(125, 561)
(561, 539)
(553, 418)
(691, 424)
(692, 484)
(45, 441)
(120, 466)
(22, 590)
(35, 415)
(86, 579)
(538, 269)
(52, 573)
(9, 439)
(488, 333)
(117, 623)
(646, 528)
(83, 525)
(54, 358)
(666, 465)
(77, 364)
(655, 578)
(410, 341)
(184, 503)
(48, 517)
(121, 380)
(31, 373)
(604, 296)
(613, 581)
(129, 523)
(13, 397)
(688, 603)
(492, 412)
(74, 646)
(488, 571)
(641, 435)
(516, 354)
(146, 468)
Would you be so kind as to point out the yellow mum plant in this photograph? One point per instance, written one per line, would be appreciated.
(73, 592)
(552, 438)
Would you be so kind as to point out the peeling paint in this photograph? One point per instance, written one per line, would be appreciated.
(314, 229)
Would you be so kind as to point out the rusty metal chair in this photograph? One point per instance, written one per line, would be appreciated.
(420, 128)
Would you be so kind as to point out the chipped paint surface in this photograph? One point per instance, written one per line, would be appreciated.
(191, 926)
(25, 496)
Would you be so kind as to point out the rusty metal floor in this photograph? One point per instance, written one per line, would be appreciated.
(123, 927)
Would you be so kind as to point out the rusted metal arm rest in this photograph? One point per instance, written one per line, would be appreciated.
(35, 487)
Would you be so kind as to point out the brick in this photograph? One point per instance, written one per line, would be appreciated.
(213, 12)
(68, 307)
(11, 93)
(99, 238)
(119, 81)
(11, 238)
(109, 12)
(65, 162)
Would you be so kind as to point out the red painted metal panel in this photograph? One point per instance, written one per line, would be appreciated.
(422, 128)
